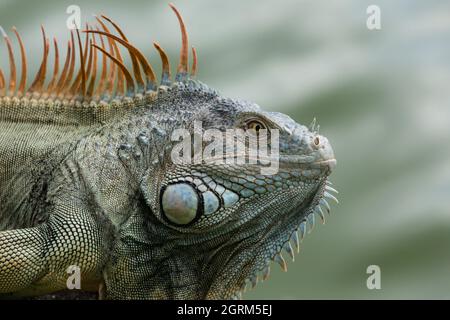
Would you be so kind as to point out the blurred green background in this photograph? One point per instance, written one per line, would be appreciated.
(381, 97)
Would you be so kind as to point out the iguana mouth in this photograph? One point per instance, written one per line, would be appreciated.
(294, 161)
(295, 224)
(330, 163)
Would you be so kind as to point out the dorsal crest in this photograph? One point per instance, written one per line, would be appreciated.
(93, 73)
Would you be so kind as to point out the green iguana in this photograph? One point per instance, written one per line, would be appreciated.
(87, 179)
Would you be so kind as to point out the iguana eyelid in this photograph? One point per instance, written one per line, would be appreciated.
(268, 123)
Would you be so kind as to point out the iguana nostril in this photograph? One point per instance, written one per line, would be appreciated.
(316, 141)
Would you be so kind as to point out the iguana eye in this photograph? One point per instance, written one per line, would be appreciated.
(180, 203)
(255, 125)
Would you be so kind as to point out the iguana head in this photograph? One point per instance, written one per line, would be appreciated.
(220, 221)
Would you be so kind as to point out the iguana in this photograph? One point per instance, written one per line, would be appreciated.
(87, 179)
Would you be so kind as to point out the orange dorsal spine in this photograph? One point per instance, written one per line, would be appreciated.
(78, 80)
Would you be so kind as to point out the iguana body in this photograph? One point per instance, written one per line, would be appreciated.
(86, 179)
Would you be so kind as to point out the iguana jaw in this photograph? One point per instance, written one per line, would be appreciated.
(282, 234)
(293, 227)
